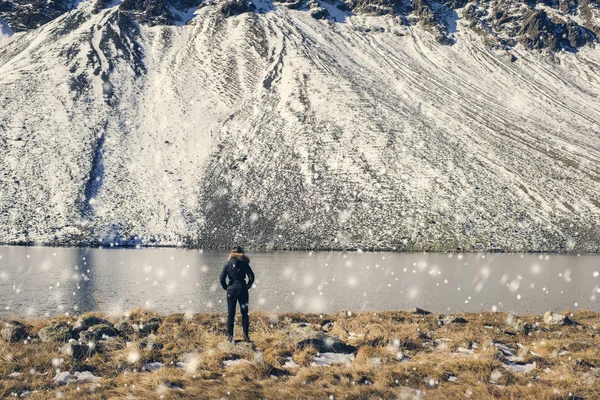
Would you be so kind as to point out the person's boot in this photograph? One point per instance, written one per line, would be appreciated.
(230, 339)
(247, 338)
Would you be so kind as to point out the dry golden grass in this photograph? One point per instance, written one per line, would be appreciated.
(398, 354)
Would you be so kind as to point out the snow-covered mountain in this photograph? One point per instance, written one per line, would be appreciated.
(367, 124)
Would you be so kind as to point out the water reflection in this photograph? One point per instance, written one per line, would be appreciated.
(38, 281)
(84, 279)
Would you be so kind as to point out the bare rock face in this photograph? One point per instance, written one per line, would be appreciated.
(162, 12)
(564, 24)
(31, 14)
(291, 4)
(229, 8)
(316, 10)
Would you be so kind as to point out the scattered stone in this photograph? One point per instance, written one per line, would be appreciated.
(59, 332)
(14, 375)
(462, 350)
(327, 359)
(26, 393)
(355, 336)
(153, 366)
(290, 363)
(507, 353)
(495, 376)
(521, 326)
(420, 311)
(327, 326)
(452, 379)
(13, 331)
(86, 376)
(77, 351)
(326, 344)
(62, 378)
(235, 363)
(453, 319)
(523, 350)
(581, 363)
(85, 322)
(589, 378)
(556, 319)
(520, 368)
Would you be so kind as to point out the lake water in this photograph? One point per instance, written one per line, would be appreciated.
(38, 281)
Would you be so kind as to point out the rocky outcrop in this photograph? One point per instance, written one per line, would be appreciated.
(551, 25)
(316, 10)
(31, 14)
(229, 8)
(163, 12)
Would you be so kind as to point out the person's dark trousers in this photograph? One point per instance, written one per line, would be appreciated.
(235, 294)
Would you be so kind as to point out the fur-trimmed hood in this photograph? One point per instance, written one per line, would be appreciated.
(239, 256)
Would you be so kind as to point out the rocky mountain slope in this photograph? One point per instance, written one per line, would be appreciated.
(366, 124)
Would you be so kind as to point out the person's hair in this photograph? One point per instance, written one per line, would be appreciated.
(237, 249)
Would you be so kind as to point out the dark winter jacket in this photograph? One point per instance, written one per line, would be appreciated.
(236, 269)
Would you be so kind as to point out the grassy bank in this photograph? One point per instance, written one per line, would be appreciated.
(386, 355)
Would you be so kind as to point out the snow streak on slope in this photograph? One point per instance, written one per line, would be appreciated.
(275, 129)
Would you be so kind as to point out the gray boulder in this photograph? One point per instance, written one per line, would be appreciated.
(556, 319)
(85, 322)
(58, 332)
(98, 332)
(13, 331)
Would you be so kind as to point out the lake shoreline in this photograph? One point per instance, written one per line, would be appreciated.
(265, 249)
(389, 354)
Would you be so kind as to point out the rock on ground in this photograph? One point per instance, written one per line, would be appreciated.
(59, 332)
(85, 322)
(327, 359)
(555, 319)
(13, 331)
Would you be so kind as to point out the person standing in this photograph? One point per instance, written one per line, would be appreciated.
(236, 269)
